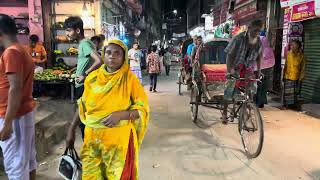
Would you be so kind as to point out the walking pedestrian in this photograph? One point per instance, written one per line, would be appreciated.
(243, 53)
(161, 58)
(154, 68)
(135, 56)
(167, 61)
(114, 107)
(267, 64)
(88, 58)
(17, 130)
(293, 74)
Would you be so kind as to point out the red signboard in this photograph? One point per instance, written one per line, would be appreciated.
(220, 13)
(303, 11)
(287, 15)
(245, 10)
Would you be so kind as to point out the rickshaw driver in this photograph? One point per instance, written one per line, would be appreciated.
(195, 58)
(243, 52)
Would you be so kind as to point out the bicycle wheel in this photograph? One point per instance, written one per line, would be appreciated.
(194, 103)
(251, 129)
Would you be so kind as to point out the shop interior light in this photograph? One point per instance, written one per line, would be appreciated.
(126, 41)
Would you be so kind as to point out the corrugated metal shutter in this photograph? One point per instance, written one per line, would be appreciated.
(311, 84)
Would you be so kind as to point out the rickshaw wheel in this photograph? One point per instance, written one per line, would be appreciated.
(194, 103)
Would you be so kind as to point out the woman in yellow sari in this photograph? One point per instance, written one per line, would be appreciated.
(114, 107)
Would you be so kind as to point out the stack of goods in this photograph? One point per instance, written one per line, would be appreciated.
(52, 75)
(61, 38)
(61, 65)
(72, 51)
(58, 25)
(214, 72)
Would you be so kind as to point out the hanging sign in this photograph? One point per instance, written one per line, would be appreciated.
(208, 25)
(287, 15)
(303, 11)
(317, 7)
(246, 10)
(285, 3)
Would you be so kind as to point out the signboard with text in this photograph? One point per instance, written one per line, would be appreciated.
(303, 11)
(245, 10)
(285, 3)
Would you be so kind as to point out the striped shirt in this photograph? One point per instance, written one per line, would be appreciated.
(242, 52)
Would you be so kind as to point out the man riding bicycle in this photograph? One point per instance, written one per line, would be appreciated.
(243, 53)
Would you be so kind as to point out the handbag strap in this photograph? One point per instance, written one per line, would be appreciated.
(72, 152)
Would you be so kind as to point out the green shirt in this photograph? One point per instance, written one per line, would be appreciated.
(86, 47)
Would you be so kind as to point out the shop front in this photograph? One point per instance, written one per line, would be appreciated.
(27, 14)
(304, 25)
(246, 11)
(59, 76)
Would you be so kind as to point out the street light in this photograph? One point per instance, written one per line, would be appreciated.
(175, 12)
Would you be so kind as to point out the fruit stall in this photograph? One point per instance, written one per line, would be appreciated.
(59, 77)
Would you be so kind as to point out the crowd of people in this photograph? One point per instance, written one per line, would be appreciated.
(107, 72)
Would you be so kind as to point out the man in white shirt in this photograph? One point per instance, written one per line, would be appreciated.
(135, 56)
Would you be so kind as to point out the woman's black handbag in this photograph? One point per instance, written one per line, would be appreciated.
(70, 167)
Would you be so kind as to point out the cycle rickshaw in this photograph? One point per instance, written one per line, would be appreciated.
(208, 88)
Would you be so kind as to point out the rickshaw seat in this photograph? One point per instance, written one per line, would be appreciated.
(215, 72)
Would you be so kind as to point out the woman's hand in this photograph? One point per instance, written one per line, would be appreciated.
(71, 136)
(113, 119)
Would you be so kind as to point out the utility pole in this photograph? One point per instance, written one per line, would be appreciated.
(187, 13)
(199, 12)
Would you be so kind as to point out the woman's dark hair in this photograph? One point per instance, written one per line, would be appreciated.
(102, 37)
(153, 48)
(96, 38)
(34, 38)
(297, 42)
(74, 22)
(7, 25)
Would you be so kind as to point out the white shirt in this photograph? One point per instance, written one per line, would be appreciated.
(135, 54)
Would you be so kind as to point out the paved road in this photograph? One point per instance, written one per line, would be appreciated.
(175, 149)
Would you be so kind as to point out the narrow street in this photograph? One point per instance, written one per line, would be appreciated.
(176, 149)
(50, 48)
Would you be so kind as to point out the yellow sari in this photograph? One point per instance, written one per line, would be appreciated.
(105, 149)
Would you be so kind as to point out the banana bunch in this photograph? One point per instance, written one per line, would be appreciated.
(72, 51)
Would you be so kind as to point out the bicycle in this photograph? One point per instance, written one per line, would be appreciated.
(249, 117)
